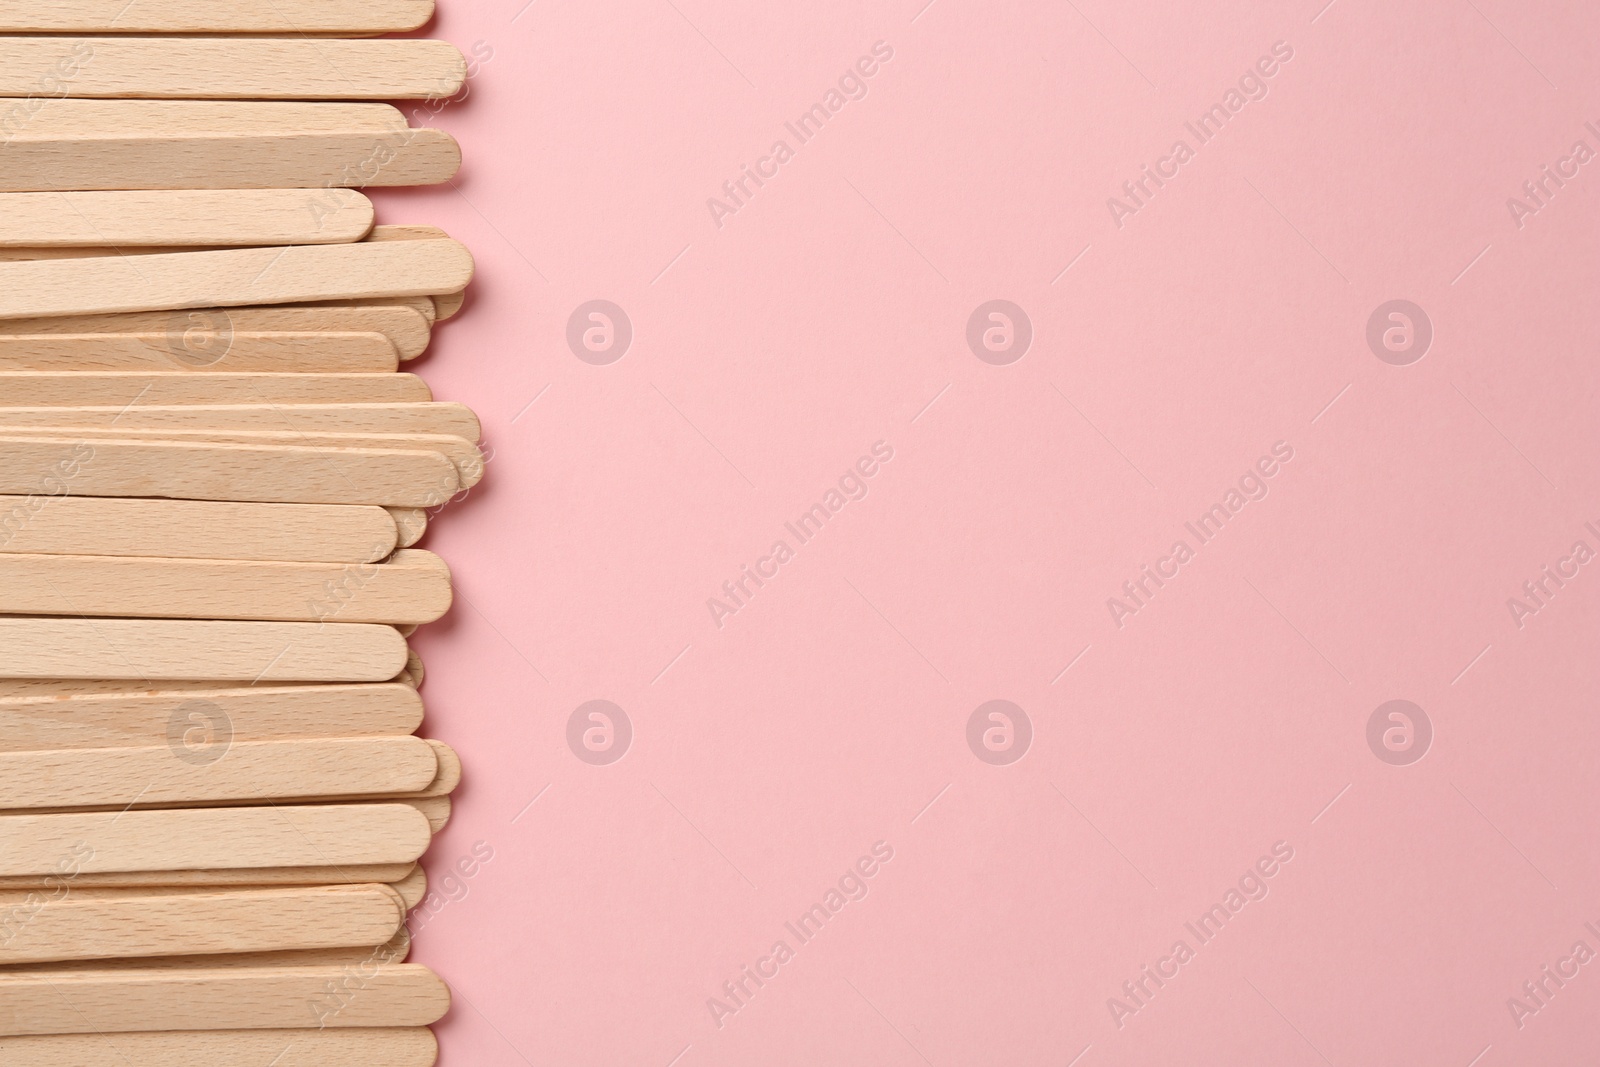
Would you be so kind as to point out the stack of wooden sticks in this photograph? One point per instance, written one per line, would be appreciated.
(212, 477)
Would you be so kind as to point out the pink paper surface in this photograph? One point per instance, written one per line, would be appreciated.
(1213, 727)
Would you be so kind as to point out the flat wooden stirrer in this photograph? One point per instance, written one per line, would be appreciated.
(281, 353)
(201, 331)
(395, 950)
(343, 874)
(263, 473)
(207, 720)
(412, 586)
(195, 529)
(449, 419)
(88, 925)
(224, 278)
(117, 1001)
(125, 389)
(413, 1047)
(211, 769)
(251, 652)
(200, 839)
(230, 219)
(58, 119)
(231, 68)
(283, 17)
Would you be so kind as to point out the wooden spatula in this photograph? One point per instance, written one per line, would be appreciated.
(231, 68)
(232, 219)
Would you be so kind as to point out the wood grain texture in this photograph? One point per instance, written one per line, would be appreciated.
(195, 529)
(448, 778)
(450, 419)
(435, 809)
(286, 17)
(38, 162)
(410, 524)
(465, 456)
(89, 926)
(203, 839)
(413, 887)
(231, 68)
(117, 1001)
(343, 874)
(231, 218)
(256, 713)
(413, 1047)
(122, 390)
(413, 586)
(251, 652)
(395, 950)
(448, 305)
(62, 119)
(228, 277)
(200, 331)
(199, 764)
(281, 353)
(260, 473)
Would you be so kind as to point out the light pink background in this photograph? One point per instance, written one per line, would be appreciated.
(830, 713)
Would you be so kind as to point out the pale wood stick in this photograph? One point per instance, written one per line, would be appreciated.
(448, 419)
(164, 648)
(448, 305)
(231, 277)
(390, 1047)
(284, 353)
(58, 119)
(124, 390)
(61, 688)
(195, 529)
(410, 524)
(413, 887)
(260, 473)
(44, 162)
(284, 17)
(448, 778)
(258, 713)
(82, 926)
(435, 809)
(344, 874)
(202, 330)
(180, 839)
(423, 305)
(403, 994)
(199, 767)
(231, 68)
(166, 217)
(412, 586)
(413, 674)
(463, 454)
(395, 950)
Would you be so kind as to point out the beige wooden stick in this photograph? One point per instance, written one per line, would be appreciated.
(86, 927)
(284, 17)
(46, 162)
(454, 420)
(422, 305)
(448, 778)
(286, 353)
(231, 68)
(55, 118)
(343, 874)
(410, 524)
(395, 950)
(198, 766)
(124, 390)
(414, 673)
(435, 809)
(464, 455)
(413, 586)
(412, 888)
(187, 839)
(264, 473)
(106, 1002)
(200, 331)
(407, 232)
(448, 305)
(232, 219)
(390, 1047)
(195, 529)
(232, 277)
(258, 713)
(161, 648)
(62, 688)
